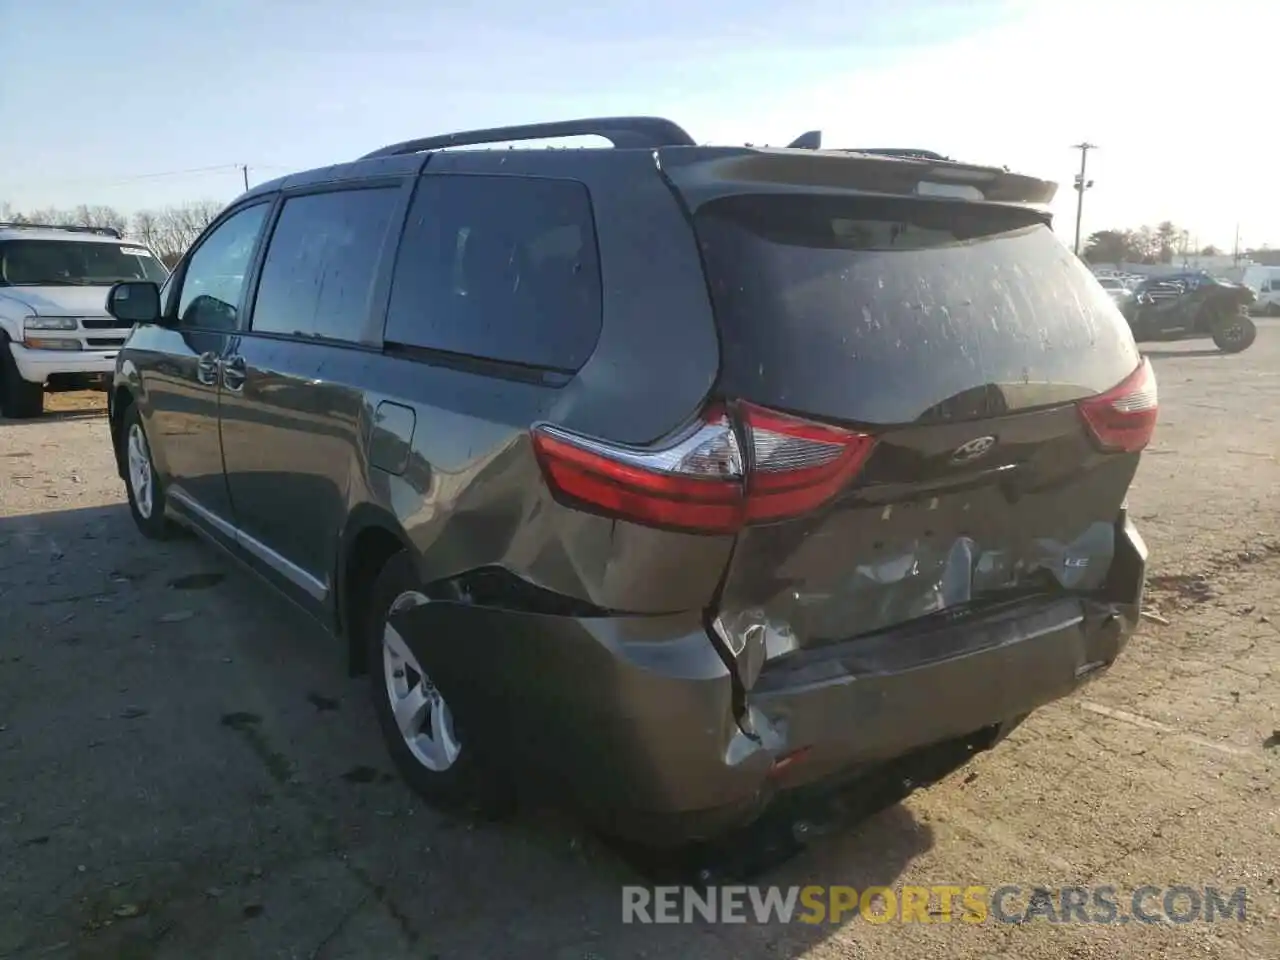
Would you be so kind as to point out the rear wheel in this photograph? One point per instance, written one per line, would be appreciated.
(418, 722)
(1234, 332)
(19, 399)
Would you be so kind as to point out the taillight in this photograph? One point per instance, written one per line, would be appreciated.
(693, 484)
(1122, 419)
(797, 465)
(702, 482)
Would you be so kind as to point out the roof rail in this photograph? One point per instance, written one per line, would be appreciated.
(907, 153)
(647, 132)
(70, 228)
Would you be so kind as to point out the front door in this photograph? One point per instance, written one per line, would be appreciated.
(182, 370)
(292, 409)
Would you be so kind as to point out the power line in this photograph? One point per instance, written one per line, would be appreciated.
(190, 171)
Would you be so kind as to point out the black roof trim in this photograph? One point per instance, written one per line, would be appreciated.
(622, 132)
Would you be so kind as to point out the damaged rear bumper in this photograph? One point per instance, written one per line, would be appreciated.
(633, 718)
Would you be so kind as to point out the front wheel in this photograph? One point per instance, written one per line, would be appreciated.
(427, 744)
(146, 495)
(19, 399)
(1234, 333)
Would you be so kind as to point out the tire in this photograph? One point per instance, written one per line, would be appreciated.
(146, 499)
(19, 399)
(1234, 333)
(445, 769)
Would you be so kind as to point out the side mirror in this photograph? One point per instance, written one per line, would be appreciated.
(134, 301)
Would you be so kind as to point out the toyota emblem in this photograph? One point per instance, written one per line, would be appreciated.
(973, 449)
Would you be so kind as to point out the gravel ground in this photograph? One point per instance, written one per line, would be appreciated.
(186, 772)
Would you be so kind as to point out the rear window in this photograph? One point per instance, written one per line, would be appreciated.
(500, 268)
(888, 311)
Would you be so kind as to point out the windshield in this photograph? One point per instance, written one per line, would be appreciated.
(36, 263)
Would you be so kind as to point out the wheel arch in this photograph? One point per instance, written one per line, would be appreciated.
(372, 536)
(119, 401)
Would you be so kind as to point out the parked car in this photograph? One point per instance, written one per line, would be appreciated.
(55, 331)
(1264, 281)
(1188, 305)
(678, 477)
(1116, 288)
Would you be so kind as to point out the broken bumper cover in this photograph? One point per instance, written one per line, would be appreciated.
(632, 718)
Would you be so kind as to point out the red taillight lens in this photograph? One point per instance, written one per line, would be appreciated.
(1123, 419)
(701, 482)
(797, 465)
(694, 484)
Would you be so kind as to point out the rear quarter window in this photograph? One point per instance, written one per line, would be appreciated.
(499, 268)
(888, 311)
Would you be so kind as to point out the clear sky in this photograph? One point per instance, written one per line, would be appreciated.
(95, 96)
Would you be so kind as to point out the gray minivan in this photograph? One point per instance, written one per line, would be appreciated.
(679, 476)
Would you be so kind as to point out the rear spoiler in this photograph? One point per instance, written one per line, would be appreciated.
(704, 173)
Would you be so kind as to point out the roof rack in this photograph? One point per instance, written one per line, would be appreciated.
(70, 228)
(907, 153)
(622, 132)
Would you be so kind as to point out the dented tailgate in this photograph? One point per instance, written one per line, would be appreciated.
(961, 336)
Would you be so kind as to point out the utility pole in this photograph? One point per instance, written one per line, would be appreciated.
(1235, 251)
(244, 169)
(1081, 185)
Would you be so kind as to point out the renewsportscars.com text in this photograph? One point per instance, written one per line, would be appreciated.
(933, 904)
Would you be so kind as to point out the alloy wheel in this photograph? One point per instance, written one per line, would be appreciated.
(141, 477)
(421, 713)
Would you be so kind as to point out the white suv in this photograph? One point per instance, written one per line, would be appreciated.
(54, 325)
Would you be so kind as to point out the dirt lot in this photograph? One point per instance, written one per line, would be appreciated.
(185, 770)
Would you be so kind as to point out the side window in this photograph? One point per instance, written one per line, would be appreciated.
(167, 306)
(321, 262)
(215, 274)
(503, 268)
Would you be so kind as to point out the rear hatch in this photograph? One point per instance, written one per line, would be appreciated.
(981, 393)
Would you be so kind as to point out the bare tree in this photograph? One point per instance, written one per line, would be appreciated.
(145, 226)
(61, 218)
(177, 227)
(100, 216)
(1112, 246)
(1167, 236)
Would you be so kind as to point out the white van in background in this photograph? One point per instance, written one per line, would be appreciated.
(55, 332)
(1264, 281)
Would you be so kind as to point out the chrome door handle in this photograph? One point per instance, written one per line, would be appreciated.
(233, 373)
(207, 368)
